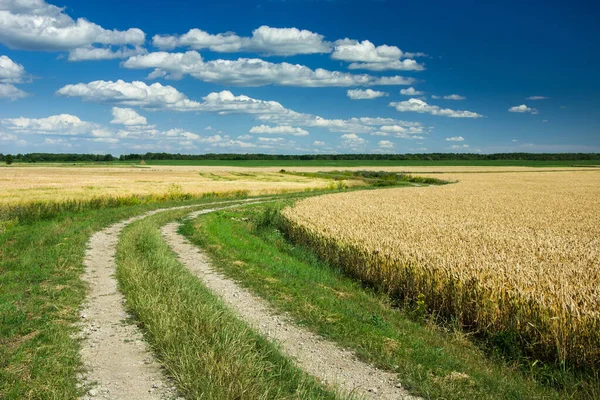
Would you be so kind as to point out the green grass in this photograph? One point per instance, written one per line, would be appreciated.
(41, 263)
(210, 353)
(432, 361)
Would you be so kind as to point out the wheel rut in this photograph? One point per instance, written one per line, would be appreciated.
(321, 358)
(117, 361)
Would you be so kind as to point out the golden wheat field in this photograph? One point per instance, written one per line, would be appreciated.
(501, 252)
(48, 183)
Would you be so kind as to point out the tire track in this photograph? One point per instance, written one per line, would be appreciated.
(315, 355)
(117, 360)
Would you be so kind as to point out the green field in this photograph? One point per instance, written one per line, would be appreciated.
(371, 163)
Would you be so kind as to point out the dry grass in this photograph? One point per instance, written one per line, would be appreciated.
(34, 184)
(503, 253)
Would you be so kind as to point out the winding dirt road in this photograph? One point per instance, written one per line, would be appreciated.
(119, 364)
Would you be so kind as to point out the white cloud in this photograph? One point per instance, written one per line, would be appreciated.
(523, 109)
(436, 97)
(10, 71)
(37, 25)
(62, 124)
(410, 92)
(157, 96)
(358, 94)
(251, 71)
(166, 97)
(8, 91)
(454, 97)
(365, 51)
(104, 53)
(385, 144)
(279, 130)
(271, 140)
(537, 98)
(365, 55)
(127, 116)
(352, 140)
(419, 106)
(318, 143)
(455, 139)
(234, 144)
(266, 40)
(397, 65)
(351, 125)
(456, 146)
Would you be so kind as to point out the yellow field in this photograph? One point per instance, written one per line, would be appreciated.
(502, 252)
(28, 184)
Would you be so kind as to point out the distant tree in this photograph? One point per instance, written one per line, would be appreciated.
(8, 159)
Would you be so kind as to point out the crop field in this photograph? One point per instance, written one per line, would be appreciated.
(510, 252)
(56, 183)
(512, 255)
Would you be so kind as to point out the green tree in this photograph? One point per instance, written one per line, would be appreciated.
(8, 159)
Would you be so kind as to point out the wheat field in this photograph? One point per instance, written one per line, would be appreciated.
(60, 183)
(501, 252)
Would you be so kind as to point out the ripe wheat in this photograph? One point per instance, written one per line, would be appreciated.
(502, 253)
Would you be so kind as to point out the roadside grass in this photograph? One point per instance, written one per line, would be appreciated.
(209, 352)
(431, 361)
(41, 291)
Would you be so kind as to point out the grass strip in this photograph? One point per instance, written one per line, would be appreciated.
(204, 346)
(430, 361)
(40, 294)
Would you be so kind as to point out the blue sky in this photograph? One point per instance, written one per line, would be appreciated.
(299, 76)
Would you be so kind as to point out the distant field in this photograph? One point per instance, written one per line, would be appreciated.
(58, 183)
(373, 163)
(345, 163)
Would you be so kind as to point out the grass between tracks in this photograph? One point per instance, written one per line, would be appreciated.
(208, 351)
(431, 361)
(41, 262)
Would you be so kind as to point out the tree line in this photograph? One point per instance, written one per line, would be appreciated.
(61, 157)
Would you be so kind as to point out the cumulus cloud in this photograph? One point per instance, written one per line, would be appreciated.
(401, 132)
(266, 40)
(385, 144)
(419, 106)
(537, 98)
(157, 96)
(279, 130)
(8, 91)
(455, 139)
(251, 71)
(351, 125)
(318, 143)
(352, 140)
(397, 65)
(127, 116)
(358, 94)
(37, 25)
(10, 71)
(454, 97)
(365, 55)
(62, 124)
(104, 53)
(410, 92)
(523, 109)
